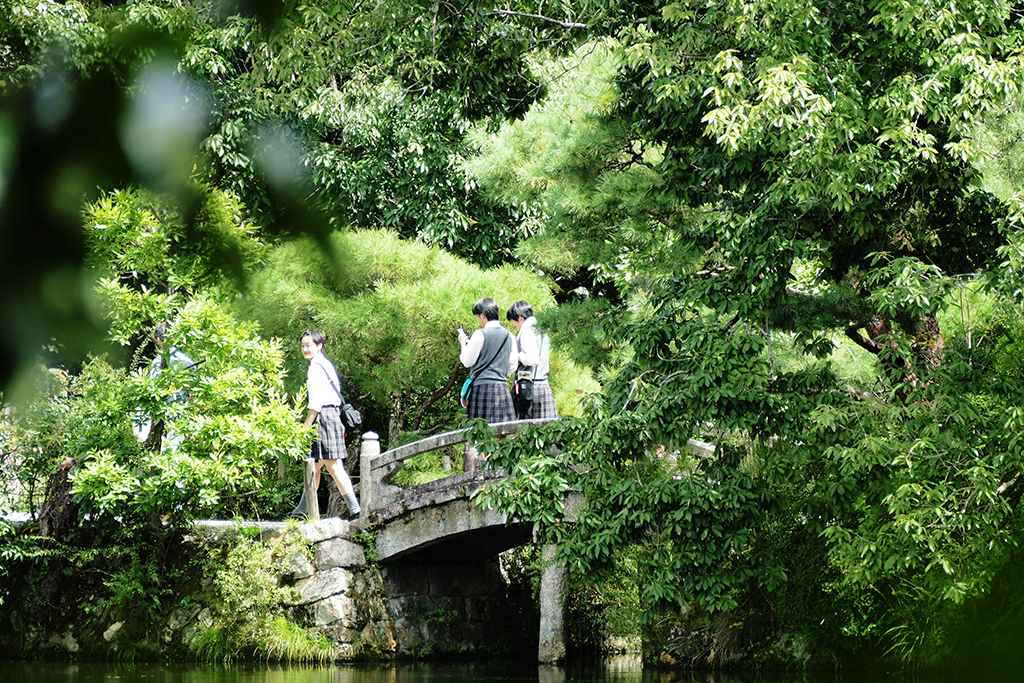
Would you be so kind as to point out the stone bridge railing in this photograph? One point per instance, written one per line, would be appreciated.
(376, 469)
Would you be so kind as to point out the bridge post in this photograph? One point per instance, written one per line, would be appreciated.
(312, 501)
(369, 450)
(551, 646)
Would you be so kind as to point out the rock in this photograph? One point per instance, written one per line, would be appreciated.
(379, 637)
(322, 585)
(332, 527)
(397, 606)
(109, 634)
(331, 610)
(794, 646)
(338, 552)
(408, 633)
(338, 633)
(66, 641)
(296, 566)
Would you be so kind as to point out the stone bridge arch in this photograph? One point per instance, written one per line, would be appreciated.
(435, 530)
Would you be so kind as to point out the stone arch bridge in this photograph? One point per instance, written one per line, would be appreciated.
(433, 582)
(437, 519)
(437, 525)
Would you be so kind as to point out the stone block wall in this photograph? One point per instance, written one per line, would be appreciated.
(449, 609)
(402, 608)
(338, 592)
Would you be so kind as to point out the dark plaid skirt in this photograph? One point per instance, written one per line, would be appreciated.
(543, 402)
(491, 401)
(330, 441)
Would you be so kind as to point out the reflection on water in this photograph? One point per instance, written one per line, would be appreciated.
(624, 669)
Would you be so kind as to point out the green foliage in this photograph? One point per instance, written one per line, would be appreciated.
(34, 34)
(704, 179)
(249, 620)
(15, 550)
(389, 308)
(107, 573)
(696, 529)
(365, 118)
(593, 182)
(229, 415)
(426, 467)
(236, 424)
(815, 601)
(804, 172)
(149, 261)
(360, 107)
(999, 135)
(139, 587)
(605, 606)
(391, 164)
(916, 500)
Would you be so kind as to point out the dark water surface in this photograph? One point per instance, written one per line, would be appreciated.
(608, 670)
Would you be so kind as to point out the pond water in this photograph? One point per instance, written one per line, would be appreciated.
(607, 670)
(610, 670)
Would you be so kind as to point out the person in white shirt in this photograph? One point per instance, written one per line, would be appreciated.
(324, 409)
(163, 433)
(534, 361)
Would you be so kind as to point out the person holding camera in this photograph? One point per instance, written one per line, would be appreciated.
(490, 355)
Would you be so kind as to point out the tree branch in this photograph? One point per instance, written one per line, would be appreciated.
(563, 24)
(860, 340)
(436, 396)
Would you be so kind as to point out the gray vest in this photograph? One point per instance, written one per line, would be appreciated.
(497, 348)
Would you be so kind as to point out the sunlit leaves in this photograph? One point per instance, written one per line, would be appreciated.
(229, 416)
(148, 261)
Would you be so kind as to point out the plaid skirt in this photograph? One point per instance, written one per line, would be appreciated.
(330, 441)
(491, 401)
(543, 402)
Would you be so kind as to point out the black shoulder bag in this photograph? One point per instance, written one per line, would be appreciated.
(523, 396)
(350, 416)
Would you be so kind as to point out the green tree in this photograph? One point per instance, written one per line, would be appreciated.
(814, 172)
(229, 414)
(372, 100)
(390, 308)
(275, 103)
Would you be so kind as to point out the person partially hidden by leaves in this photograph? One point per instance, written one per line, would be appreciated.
(324, 409)
(531, 394)
(163, 434)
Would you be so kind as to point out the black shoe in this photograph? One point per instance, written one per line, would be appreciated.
(354, 516)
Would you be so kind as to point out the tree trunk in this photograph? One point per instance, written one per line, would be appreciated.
(59, 514)
(928, 341)
(396, 420)
(927, 349)
(437, 395)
